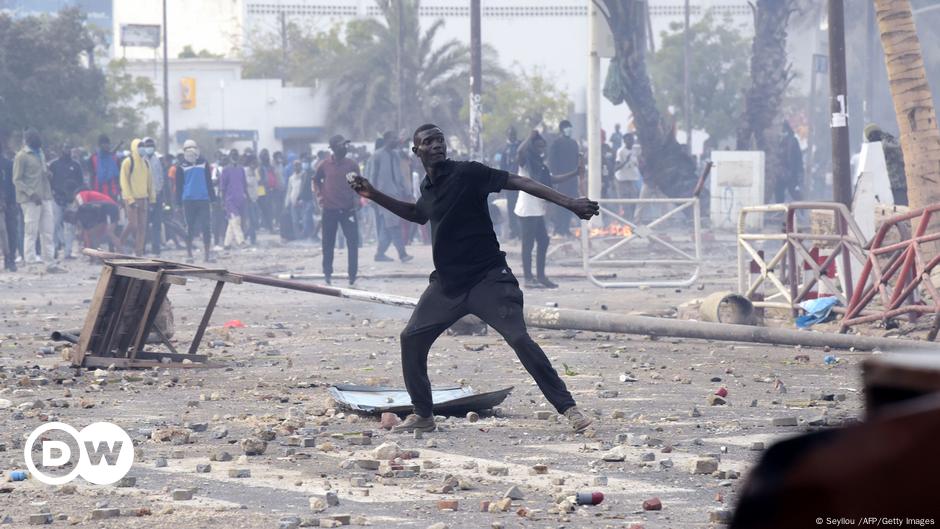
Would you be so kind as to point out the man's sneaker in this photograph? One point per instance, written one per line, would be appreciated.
(415, 422)
(405, 258)
(578, 421)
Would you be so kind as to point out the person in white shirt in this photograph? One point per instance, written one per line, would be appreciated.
(531, 210)
(627, 172)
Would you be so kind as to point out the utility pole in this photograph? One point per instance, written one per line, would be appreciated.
(399, 78)
(166, 87)
(869, 61)
(594, 103)
(686, 93)
(283, 23)
(476, 83)
(838, 106)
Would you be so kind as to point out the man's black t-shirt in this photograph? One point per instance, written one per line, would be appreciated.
(462, 237)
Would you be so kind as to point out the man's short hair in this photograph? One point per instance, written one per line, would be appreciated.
(422, 128)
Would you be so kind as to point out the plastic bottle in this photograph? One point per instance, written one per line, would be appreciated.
(830, 360)
(589, 498)
(19, 475)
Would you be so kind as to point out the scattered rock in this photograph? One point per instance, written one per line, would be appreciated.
(386, 451)
(704, 465)
(514, 493)
(653, 504)
(253, 446)
(182, 494)
(388, 421)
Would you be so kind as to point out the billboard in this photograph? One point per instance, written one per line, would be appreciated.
(143, 35)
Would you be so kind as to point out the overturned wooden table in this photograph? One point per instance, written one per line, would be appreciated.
(124, 308)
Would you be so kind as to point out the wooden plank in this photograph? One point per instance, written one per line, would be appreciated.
(108, 324)
(127, 299)
(154, 301)
(134, 262)
(146, 275)
(126, 363)
(91, 319)
(176, 357)
(165, 340)
(206, 316)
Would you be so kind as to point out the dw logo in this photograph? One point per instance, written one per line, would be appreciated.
(105, 453)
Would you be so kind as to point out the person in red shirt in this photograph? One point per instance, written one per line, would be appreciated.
(338, 203)
(95, 214)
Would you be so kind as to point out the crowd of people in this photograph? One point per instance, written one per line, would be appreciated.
(138, 200)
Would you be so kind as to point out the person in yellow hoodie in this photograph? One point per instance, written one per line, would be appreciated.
(138, 193)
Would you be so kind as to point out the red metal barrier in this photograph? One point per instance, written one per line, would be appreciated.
(895, 272)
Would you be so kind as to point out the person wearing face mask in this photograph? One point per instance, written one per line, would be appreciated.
(34, 195)
(66, 179)
(158, 175)
(563, 156)
(138, 193)
(194, 192)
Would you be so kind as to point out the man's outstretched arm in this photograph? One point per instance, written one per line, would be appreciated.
(406, 210)
(582, 207)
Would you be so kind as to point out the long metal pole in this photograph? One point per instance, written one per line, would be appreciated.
(283, 24)
(553, 318)
(476, 83)
(838, 103)
(594, 104)
(686, 90)
(870, 36)
(399, 76)
(166, 86)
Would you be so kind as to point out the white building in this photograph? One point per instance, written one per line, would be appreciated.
(209, 97)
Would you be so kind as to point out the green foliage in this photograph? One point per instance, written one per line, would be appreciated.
(189, 53)
(358, 64)
(44, 78)
(47, 81)
(127, 97)
(523, 101)
(718, 73)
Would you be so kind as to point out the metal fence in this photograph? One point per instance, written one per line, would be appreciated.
(595, 236)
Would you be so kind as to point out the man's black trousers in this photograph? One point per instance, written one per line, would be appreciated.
(496, 300)
(347, 219)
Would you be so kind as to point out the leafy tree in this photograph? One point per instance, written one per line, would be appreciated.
(127, 97)
(48, 80)
(358, 63)
(523, 101)
(189, 53)
(718, 74)
(45, 81)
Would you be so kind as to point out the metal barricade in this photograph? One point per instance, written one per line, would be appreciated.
(899, 273)
(646, 232)
(784, 270)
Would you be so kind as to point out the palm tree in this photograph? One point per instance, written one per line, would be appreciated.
(363, 91)
(913, 102)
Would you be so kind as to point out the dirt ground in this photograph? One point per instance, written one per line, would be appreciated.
(276, 374)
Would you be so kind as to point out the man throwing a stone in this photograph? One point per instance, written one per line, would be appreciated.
(471, 275)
